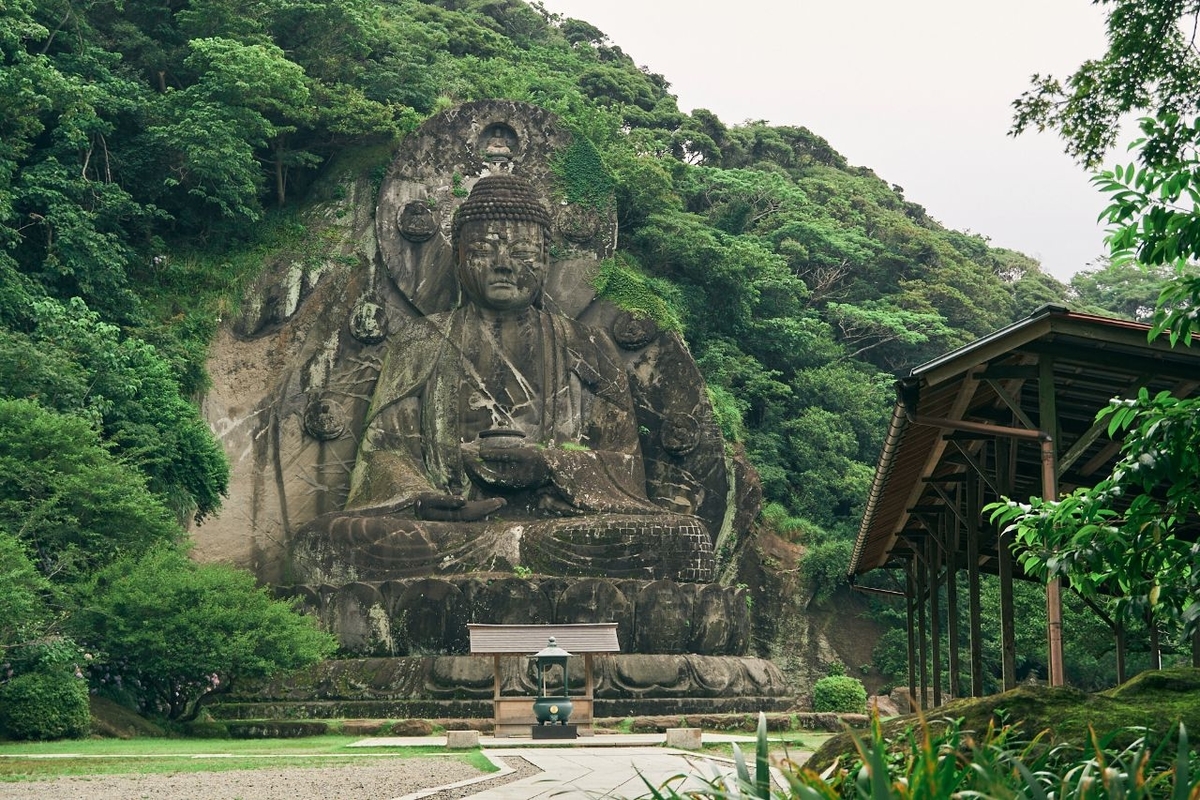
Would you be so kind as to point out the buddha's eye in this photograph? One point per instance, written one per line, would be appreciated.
(524, 252)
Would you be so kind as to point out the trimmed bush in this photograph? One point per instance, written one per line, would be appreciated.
(45, 705)
(841, 694)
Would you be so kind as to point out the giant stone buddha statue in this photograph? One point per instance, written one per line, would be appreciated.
(500, 434)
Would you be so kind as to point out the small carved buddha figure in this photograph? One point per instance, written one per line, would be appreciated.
(500, 434)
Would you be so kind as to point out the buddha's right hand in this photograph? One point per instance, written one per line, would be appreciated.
(439, 507)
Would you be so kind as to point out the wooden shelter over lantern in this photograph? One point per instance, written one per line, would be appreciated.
(1012, 414)
(514, 715)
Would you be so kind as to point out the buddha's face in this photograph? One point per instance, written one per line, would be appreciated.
(502, 263)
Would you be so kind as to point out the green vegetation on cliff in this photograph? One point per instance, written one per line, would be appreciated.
(148, 151)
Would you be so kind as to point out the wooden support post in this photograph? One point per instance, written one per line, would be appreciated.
(922, 635)
(1048, 417)
(1119, 630)
(974, 610)
(1196, 647)
(952, 603)
(910, 594)
(933, 560)
(1008, 627)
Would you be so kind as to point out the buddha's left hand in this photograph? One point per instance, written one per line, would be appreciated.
(506, 466)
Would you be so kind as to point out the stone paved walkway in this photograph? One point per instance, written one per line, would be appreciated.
(592, 767)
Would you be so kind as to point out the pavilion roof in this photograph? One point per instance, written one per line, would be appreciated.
(936, 440)
(599, 637)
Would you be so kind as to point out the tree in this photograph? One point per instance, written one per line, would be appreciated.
(1151, 64)
(171, 632)
(72, 362)
(1125, 288)
(72, 505)
(1123, 535)
(24, 614)
(65, 217)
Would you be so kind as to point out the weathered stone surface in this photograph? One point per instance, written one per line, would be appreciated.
(429, 615)
(326, 377)
(462, 740)
(683, 738)
(596, 600)
(508, 601)
(720, 621)
(294, 373)
(664, 617)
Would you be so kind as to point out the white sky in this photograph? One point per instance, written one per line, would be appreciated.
(920, 91)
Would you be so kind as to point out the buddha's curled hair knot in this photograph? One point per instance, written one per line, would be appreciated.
(501, 197)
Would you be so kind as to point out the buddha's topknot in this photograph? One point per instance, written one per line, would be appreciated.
(500, 197)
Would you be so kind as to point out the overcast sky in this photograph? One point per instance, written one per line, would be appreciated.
(920, 91)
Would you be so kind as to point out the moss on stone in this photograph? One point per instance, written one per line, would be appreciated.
(1153, 701)
(620, 281)
(582, 176)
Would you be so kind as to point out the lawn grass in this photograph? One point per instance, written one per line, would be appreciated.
(21, 761)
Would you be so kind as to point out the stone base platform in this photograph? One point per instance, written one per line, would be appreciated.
(567, 731)
(461, 687)
(482, 709)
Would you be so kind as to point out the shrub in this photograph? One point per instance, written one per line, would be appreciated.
(140, 610)
(45, 705)
(841, 694)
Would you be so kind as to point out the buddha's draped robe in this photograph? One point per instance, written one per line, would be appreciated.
(449, 376)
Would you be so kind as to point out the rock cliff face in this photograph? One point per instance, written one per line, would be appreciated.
(294, 372)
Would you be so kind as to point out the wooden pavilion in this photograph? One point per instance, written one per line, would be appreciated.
(514, 715)
(1009, 415)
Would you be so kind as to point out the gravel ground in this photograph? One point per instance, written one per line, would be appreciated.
(362, 780)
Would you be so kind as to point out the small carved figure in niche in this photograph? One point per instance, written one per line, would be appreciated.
(417, 223)
(368, 323)
(632, 331)
(501, 434)
(325, 419)
(578, 224)
(499, 144)
(680, 434)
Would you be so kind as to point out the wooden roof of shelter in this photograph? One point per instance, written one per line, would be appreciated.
(1051, 372)
(581, 638)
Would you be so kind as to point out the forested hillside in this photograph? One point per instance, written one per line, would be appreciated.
(150, 153)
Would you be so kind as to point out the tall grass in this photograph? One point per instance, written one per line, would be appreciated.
(944, 761)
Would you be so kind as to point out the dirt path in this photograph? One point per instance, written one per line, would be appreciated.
(361, 779)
